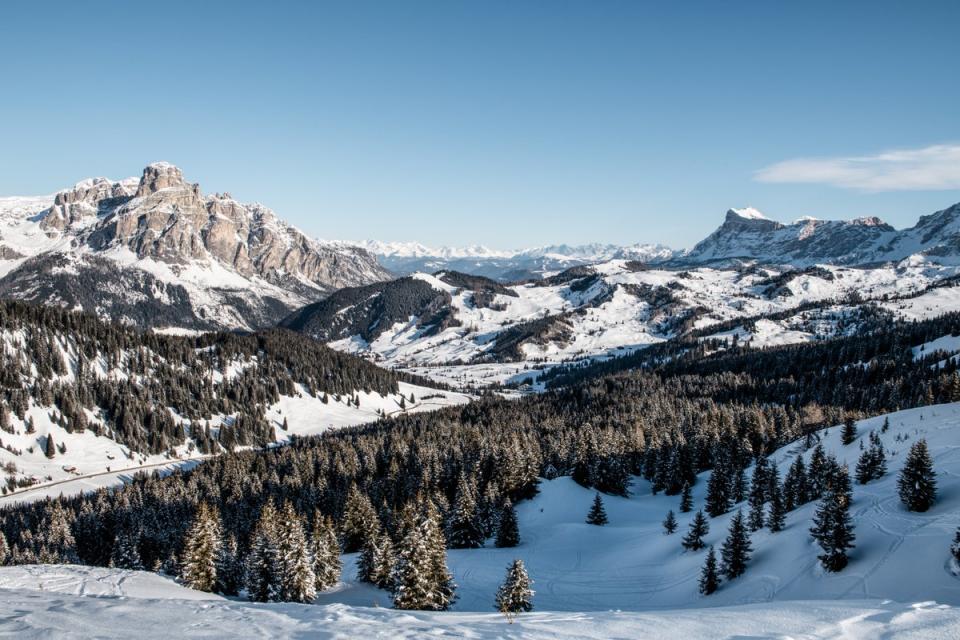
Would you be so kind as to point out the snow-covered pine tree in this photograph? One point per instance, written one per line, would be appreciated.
(699, 527)
(709, 576)
(778, 510)
(735, 552)
(917, 484)
(4, 549)
(50, 448)
(508, 531)
(421, 579)
(359, 517)
(670, 523)
(872, 464)
(126, 554)
(739, 485)
(201, 546)
(382, 562)
(686, 499)
(832, 527)
(464, 530)
(597, 514)
(326, 553)
(954, 548)
(817, 473)
(365, 559)
(849, 432)
(229, 568)
(795, 489)
(262, 576)
(57, 534)
(515, 595)
(297, 580)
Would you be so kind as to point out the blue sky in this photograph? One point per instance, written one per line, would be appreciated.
(504, 123)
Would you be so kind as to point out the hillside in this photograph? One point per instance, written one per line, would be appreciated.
(471, 330)
(82, 402)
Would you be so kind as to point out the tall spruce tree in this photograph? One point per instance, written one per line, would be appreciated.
(718, 491)
(597, 514)
(421, 579)
(508, 530)
(954, 548)
(464, 530)
(795, 489)
(4, 549)
(326, 553)
(198, 564)
(515, 595)
(759, 485)
(229, 568)
(126, 552)
(832, 527)
(699, 527)
(778, 510)
(297, 579)
(735, 552)
(263, 581)
(849, 432)
(709, 576)
(359, 518)
(872, 464)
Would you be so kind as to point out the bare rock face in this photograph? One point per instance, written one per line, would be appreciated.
(170, 220)
(83, 202)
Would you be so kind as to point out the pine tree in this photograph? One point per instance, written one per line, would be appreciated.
(297, 579)
(739, 485)
(421, 579)
(832, 527)
(597, 514)
(229, 568)
(464, 530)
(709, 576)
(126, 554)
(686, 499)
(817, 473)
(382, 562)
(670, 523)
(359, 517)
(795, 489)
(759, 486)
(735, 552)
(263, 579)
(515, 595)
(198, 565)
(954, 548)
(50, 449)
(918, 482)
(718, 491)
(872, 464)
(849, 433)
(508, 531)
(778, 510)
(699, 527)
(326, 553)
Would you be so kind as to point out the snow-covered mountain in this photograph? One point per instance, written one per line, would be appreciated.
(460, 328)
(406, 258)
(748, 235)
(157, 252)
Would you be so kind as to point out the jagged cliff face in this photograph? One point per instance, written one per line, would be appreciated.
(247, 267)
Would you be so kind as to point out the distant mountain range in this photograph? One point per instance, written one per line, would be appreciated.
(155, 251)
(746, 235)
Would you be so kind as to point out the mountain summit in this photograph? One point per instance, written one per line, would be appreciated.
(227, 264)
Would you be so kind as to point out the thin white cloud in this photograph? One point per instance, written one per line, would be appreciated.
(928, 169)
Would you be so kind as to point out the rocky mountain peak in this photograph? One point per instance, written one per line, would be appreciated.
(160, 175)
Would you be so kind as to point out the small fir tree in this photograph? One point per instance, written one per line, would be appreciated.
(917, 484)
(670, 523)
(778, 510)
(699, 527)
(709, 576)
(597, 514)
(735, 552)
(849, 433)
(515, 595)
(954, 548)
(832, 527)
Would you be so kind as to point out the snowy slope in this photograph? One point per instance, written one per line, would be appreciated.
(614, 308)
(626, 579)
